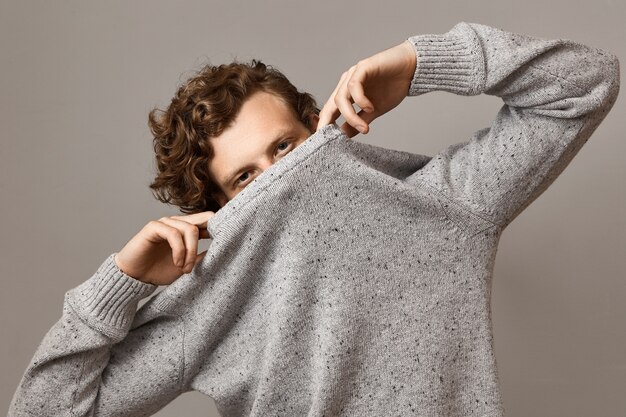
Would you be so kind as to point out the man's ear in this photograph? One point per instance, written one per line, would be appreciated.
(313, 121)
(220, 197)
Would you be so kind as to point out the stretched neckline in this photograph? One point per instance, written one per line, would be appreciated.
(228, 214)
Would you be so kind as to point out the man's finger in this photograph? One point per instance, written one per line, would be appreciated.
(190, 239)
(324, 114)
(204, 234)
(344, 102)
(350, 131)
(329, 112)
(357, 91)
(198, 219)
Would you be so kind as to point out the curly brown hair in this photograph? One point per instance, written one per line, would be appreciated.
(203, 107)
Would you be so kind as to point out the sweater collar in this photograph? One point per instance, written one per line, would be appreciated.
(228, 214)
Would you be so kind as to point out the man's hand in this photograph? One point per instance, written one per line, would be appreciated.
(376, 84)
(164, 249)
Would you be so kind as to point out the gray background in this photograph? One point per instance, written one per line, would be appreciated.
(78, 79)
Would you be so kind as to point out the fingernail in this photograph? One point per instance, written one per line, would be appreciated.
(361, 128)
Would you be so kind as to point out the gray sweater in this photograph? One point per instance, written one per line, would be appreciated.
(347, 279)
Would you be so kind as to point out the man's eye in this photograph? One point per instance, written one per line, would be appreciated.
(241, 176)
(284, 143)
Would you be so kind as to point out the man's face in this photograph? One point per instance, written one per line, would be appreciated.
(264, 131)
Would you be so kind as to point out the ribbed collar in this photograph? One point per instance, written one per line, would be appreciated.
(229, 213)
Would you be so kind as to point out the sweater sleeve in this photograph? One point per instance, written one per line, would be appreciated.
(555, 94)
(97, 360)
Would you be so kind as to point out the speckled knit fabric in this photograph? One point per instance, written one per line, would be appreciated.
(347, 279)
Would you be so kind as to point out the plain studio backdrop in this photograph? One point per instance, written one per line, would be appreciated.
(78, 79)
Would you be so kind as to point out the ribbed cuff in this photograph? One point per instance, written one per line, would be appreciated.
(108, 300)
(451, 62)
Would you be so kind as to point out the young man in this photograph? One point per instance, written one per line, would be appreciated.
(342, 279)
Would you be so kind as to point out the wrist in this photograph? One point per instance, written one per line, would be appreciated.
(411, 54)
(123, 269)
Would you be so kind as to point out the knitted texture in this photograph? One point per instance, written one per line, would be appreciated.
(347, 279)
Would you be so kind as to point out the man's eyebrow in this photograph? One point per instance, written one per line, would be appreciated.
(278, 136)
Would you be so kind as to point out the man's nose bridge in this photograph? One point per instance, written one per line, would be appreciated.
(266, 162)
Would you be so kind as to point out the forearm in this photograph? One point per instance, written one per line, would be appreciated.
(526, 71)
(63, 377)
(556, 92)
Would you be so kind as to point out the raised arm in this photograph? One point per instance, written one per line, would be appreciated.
(97, 360)
(555, 94)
